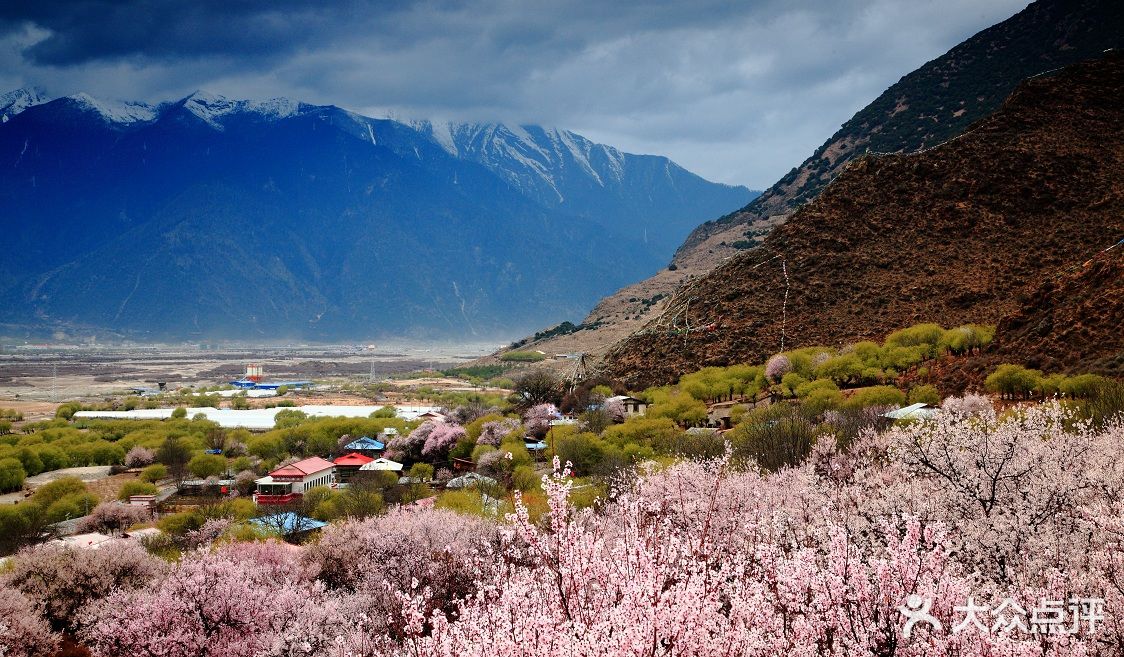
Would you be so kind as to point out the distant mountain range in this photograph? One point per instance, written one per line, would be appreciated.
(219, 218)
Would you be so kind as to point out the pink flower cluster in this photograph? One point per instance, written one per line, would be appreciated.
(441, 439)
(695, 559)
(537, 419)
(112, 517)
(493, 433)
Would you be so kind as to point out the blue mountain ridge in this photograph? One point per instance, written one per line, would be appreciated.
(218, 218)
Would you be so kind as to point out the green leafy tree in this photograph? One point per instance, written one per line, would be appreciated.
(537, 387)
(928, 336)
(67, 410)
(20, 524)
(681, 408)
(875, 396)
(288, 418)
(174, 454)
(207, 465)
(842, 369)
(773, 438)
(1012, 381)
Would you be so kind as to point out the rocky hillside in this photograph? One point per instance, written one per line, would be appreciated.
(1073, 322)
(926, 107)
(209, 217)
(963, 232)
(939, 100)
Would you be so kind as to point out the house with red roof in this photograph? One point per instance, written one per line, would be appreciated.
(348, 464)
(289, 482)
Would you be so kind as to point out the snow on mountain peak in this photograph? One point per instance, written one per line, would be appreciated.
(18, 100)
(440, 131)
(212, 107)
(116, 111)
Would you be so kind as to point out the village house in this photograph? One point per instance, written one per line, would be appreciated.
(348, 464)
(288, 483)
(381, 464)
(366, 446)
(632, 406)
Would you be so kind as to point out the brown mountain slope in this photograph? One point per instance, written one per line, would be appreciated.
(941, 99)
(952, 234)
(1073, 322)
(926, 107)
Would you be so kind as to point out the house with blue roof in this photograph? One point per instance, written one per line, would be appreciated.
(365, 444)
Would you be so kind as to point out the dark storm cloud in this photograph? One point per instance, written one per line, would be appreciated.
(738, 92)
(91, 30)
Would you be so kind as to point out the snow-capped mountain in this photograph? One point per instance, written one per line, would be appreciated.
(564, 170)
(219, 217)
(14, 102)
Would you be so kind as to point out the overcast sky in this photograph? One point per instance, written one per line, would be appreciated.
(739, 92)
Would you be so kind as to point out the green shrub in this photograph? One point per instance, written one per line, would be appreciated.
(819, 400)
(67, 410)
(808, 388)
(925, 394)
(875, 396)
(903, 358)
(473, 502)
(1104, 405)
(53, 458)
(773, 438)
(136, 488)
(30, 461)
(178, 524)
(659, 433)
(71, 506)
(12, 475)
(523, 356)
(52, 491)
(584, 452)
(1082, 386)
(288, 418)
(154, 473)
(525, 478)
(927, 335)
(790, 383)
(680, 407)
(421, 471)
(207, 465)
(841, 369)
(967, 337)
(19, 524)
(481, 450)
